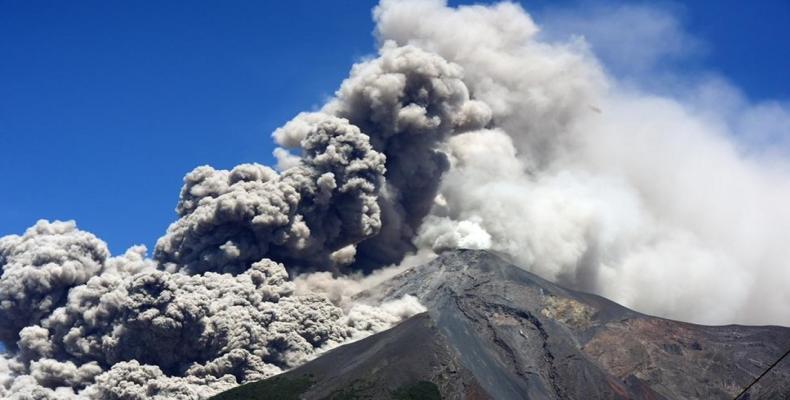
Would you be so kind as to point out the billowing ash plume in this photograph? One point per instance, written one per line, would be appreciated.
(39, 268)
(215, 306)
(386, 121)
(231, 219)
(135, 331)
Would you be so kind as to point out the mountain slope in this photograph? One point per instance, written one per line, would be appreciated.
(513, 335)
(410, 359)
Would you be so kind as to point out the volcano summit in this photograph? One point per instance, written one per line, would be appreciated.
(496, 331)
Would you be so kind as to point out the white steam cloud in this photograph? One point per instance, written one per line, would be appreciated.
(469, 130)
(661, 203)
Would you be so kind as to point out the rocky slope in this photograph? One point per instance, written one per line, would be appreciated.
(494, 330)
(412, 357)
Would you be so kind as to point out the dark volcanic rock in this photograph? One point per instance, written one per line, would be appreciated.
(522, 335)
(509, 334)
(412, 358)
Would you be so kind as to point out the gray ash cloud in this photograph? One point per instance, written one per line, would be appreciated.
(215, 306)
(132, 328)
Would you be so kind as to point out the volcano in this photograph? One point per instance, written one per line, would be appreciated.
(495, 331)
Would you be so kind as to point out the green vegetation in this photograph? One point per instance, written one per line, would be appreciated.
(277, 388)
(283, 388)
(422, 390)
(355, 391)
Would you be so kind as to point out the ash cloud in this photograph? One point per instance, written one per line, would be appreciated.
(215, 307)
(407, 102)
(230, 219)
(669, 203)
(133, 330)
(362, 172)
(39, 268)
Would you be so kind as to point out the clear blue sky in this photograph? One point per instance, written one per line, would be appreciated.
(104, 106)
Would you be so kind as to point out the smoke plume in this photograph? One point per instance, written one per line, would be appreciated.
(662, 203)
(215, 307)
(468, 130)
(133, 330)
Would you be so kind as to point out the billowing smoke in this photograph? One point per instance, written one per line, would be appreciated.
(408, 102)
(230, 219)
(386, 122)
(215, 307)
(132, 330)
(469, 130)
(39, 268)
(663, 203)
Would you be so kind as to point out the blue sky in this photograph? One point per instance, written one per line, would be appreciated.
(104, 106)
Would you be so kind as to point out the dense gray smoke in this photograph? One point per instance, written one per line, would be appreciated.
(215, 307)
(39, 268)
(325, 202)
(407, 101)
(135, 331)
(386, 122)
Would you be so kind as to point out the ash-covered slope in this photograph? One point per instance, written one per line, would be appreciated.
(518, 336)
(411, 359)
